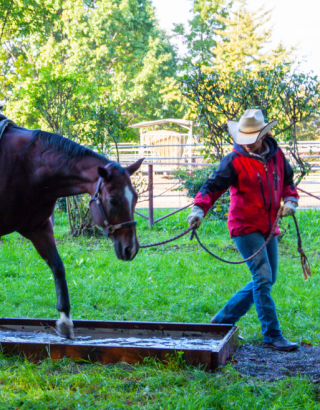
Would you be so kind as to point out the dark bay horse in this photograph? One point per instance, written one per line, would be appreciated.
(37, 168)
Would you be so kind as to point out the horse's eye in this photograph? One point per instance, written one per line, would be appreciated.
(114, 201)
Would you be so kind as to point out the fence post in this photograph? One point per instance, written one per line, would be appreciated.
(150, 187)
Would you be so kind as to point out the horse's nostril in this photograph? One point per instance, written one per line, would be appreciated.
(127, 252)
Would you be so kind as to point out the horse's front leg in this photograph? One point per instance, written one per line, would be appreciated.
(44, 242)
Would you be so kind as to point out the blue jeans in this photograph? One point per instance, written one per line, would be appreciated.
(264, 269)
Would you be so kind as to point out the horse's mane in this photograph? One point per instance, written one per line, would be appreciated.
(68, 149)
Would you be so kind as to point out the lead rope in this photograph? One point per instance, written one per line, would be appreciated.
(303, 258)
(252, 256)
(149, 245)
(193, 229)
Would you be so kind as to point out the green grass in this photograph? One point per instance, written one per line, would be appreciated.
(177, 282)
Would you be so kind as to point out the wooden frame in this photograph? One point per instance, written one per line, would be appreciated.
(209, 360)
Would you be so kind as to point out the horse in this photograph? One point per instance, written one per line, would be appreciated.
(37, 168)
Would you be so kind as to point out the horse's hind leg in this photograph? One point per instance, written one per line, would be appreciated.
(44, 242)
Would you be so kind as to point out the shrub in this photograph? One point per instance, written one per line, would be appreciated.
(79, 217)
(192, 182)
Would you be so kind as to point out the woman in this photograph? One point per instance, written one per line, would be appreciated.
(259, 177)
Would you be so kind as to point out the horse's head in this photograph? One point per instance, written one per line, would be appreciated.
(112, 207)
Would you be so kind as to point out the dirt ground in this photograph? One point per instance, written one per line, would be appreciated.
(269, 365)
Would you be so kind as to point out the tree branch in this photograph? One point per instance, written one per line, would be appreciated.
(5, 20)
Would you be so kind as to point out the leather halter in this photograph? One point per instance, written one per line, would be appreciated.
(110, 229)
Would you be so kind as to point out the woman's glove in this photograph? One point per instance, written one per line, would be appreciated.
(196, 216)
(289, 208)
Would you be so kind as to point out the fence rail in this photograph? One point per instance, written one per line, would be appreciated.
(163, 190)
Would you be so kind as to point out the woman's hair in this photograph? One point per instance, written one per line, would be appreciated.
(268, 134)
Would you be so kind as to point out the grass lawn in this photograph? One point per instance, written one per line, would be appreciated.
(177, 283)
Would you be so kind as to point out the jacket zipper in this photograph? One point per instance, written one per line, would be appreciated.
(275, 187)
(269, 212)
(275, 176)
(264, 199)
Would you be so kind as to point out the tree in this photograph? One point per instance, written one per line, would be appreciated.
(215, 98)
(114, 48)
(53, 101)
(243, 42)
(224, 36)
(20, 18)
(110, 126)
(200, 37)
(309, 130)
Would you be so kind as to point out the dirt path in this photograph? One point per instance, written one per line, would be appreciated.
(267, 364)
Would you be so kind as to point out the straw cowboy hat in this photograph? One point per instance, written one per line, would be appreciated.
(250, 128)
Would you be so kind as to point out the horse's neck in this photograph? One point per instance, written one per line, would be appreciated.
(78, 179)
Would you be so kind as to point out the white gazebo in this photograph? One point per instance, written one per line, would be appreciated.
(165, 144)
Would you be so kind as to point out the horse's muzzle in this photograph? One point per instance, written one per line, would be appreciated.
(126, 252)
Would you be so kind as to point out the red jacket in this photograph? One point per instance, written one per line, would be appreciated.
(257, 188)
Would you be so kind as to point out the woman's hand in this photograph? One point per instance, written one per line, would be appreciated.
(196, 215)
(289, 208)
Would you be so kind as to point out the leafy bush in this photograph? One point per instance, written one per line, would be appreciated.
(192, 182)
(61, 205)
(79, 217)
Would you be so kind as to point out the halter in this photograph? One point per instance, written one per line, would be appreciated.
(108, 226)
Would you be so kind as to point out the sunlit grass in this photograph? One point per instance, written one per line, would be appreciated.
(178, 283)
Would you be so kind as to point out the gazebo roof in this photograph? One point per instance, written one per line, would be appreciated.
(182, 123)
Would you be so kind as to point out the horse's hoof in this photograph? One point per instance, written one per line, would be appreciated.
(65, 330)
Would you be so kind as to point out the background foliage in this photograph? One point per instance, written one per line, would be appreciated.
(86, 54)
(63, 63)
(88, 69)
(290, 97)
(192, 181)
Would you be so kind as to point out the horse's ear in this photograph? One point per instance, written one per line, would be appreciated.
(134, 167)
(104, 173)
